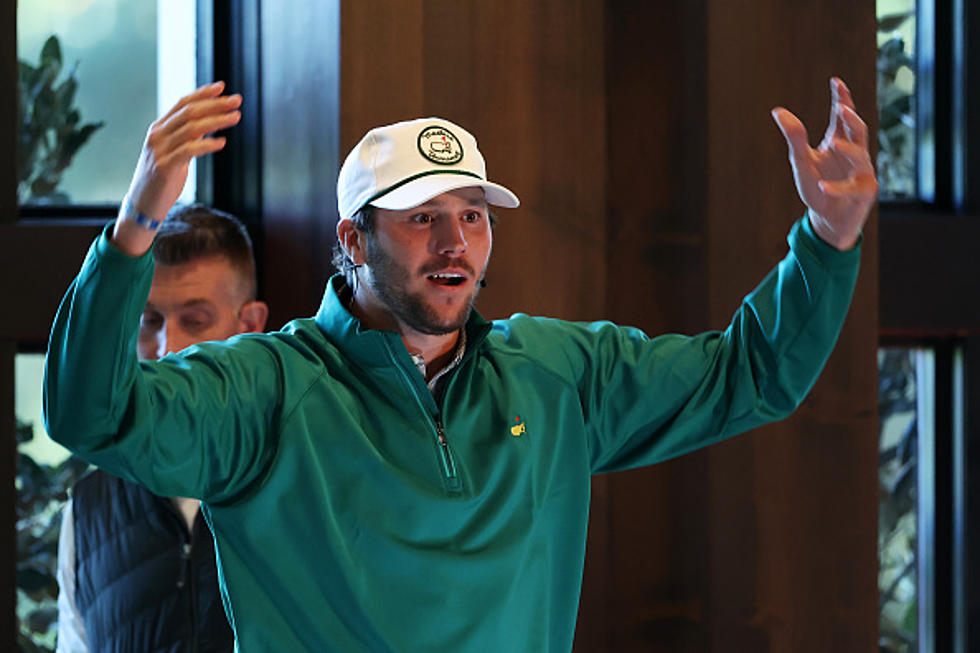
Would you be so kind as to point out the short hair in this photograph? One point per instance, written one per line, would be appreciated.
(195, 231)
(363, 221)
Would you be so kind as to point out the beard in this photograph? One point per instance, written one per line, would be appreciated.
(389, 279)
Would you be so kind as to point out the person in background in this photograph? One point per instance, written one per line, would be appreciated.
(136, 571)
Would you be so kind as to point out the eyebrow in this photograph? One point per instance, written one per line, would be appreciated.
(190, 303)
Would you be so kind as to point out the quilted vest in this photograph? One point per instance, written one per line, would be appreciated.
(143, 582)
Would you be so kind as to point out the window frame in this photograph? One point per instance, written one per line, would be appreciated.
(928, 277)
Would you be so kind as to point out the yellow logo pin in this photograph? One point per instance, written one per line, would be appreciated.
(519, 429)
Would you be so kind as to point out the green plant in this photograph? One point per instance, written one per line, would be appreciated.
(896, 123)
(51, 132)
(41, 493)
(897, 469)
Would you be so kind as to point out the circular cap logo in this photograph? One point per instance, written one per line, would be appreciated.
(439, 145)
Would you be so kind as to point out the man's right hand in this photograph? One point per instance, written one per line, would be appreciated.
(171, 142)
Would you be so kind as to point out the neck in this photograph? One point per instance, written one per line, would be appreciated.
(436, 350)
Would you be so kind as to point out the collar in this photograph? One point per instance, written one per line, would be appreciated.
(460, 352)
(367, 347)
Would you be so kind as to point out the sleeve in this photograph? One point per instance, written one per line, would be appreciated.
(197, 424)
(71, 629)
(650, 399)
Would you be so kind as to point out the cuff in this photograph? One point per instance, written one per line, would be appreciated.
(804, 240)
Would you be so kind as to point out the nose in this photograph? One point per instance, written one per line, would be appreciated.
(450, 239)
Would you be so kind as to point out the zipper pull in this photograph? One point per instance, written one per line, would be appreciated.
(185, 563)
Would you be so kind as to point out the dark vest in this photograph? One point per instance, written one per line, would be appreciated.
(143, 583)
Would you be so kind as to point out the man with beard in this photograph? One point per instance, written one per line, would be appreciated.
(398, 473)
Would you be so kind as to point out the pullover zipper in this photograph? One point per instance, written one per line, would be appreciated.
(193, 581)
(185, 563)
(448, 465)
(187, 576)
(447, 459)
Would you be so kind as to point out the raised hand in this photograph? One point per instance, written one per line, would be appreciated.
(183, 133)
(836, 180)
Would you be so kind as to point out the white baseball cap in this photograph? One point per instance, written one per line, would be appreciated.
(406, 164)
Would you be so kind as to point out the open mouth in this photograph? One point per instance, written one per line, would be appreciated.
(447, 279)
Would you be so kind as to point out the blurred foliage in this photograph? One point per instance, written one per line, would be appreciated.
(51, 129)
(41, 494)
(896, 117)
(897, 502)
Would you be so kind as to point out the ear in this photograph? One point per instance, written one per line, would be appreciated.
(351, 240)
(252, 317)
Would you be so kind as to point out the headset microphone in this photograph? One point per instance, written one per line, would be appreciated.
(483, 283)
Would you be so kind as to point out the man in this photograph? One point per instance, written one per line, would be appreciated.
(396, 473)
(136, 571)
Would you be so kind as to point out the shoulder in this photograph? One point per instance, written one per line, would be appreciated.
(565, 347)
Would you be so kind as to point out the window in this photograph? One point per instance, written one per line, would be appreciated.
(897, 513)
(126, 62)
(896, 93)
(929, 167)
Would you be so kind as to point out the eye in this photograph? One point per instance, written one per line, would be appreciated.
(151, 321)
(473, 216)
(195, 323)
(422, 218)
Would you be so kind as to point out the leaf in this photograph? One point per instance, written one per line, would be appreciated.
(892, 114)
(25, 431)
(31, 475)
(78, 138)
(32, 580)
(51, 52)
(892, 58)
(892, 22)
(40, 621)
(43, 186)
(65, 95)
(911, 617)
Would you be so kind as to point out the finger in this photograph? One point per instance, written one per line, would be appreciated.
(193, 150)
(198, 109)
(835, 127)
(843, 93)
(855, 154)
(793, 131)
(193, 131)
(207, 91)
(852, 187)
(857, 130)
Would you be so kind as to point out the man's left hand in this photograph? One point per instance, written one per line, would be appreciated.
(836, 180)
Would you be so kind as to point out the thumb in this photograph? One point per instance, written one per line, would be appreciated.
(793, 131)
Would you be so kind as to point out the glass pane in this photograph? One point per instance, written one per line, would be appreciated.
(94, 74)
(896, 99)
(897, 510)
(45, 471)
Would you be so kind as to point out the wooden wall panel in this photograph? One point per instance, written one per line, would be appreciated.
(657, 280)
(792, 508)
(300, 139)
